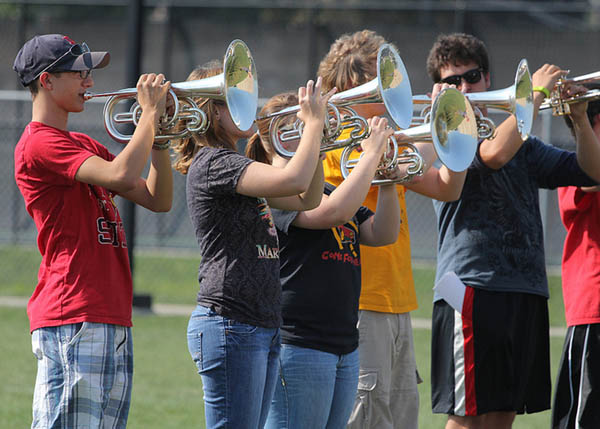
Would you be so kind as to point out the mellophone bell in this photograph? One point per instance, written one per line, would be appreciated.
(237, 86)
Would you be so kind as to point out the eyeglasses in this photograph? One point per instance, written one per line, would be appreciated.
(76, 50)
(83, 74)
(471, 76)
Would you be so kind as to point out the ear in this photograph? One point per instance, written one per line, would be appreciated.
(488, 81)
(45, 81)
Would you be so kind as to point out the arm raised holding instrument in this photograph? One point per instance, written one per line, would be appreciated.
(587, 142)
(500, 149)
(298, 175)
(122, 174)
(343, 202)
(340, 205)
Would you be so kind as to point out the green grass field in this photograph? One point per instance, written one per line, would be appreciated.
(167, 392)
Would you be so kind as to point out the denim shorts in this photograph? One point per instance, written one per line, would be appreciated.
(84, 376)
(238, 364)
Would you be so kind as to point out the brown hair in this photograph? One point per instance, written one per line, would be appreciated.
(351, 60)
(456, 49)
(34, 87)
(185, 149)
(259, 147)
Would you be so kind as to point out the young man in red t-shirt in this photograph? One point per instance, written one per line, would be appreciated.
(80, 311)
(577, 392)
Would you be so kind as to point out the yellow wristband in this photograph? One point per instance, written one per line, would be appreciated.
(543, 90)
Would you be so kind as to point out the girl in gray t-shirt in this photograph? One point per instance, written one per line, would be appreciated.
(233, 334)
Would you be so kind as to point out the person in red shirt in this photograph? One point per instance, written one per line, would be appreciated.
(578, 386)
(80, 311)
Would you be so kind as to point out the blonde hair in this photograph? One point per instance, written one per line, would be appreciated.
(351, 60)
(259, 146)
(185, 149)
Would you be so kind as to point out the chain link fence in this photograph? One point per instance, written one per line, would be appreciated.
(287, 44)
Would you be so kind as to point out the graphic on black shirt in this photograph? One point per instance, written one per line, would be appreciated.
(320, 278)
(346, 238)
(346, 235)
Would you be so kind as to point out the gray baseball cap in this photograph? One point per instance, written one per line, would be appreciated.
(54, 53)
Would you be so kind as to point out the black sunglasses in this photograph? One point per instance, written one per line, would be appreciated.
(471, 76)
(76, 50)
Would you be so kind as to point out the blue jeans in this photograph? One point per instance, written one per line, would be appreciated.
(316, 389)
(238, 364)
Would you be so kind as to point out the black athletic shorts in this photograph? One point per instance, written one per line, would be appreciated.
(493, 357)
(577, 396)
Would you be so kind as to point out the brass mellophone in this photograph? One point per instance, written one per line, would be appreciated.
(560, 104)
(391, 86)
(451, 128)
(516, 99)
(237, 86)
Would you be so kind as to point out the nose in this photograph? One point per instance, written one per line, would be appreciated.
(464, 86)
(88, 82)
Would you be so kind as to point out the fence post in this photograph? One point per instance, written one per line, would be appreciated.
(134, 51)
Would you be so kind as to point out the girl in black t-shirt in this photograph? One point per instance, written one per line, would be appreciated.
(233, 334)
(320, 275)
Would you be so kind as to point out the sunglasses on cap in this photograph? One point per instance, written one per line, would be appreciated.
(76, 50)
(471, 76)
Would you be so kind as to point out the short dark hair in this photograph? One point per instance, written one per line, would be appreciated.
(34, 87)
(593, 109)
(456, 49)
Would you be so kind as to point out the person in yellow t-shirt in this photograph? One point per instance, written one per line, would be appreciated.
(387, 395)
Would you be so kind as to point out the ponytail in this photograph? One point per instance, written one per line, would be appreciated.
(256, 150)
